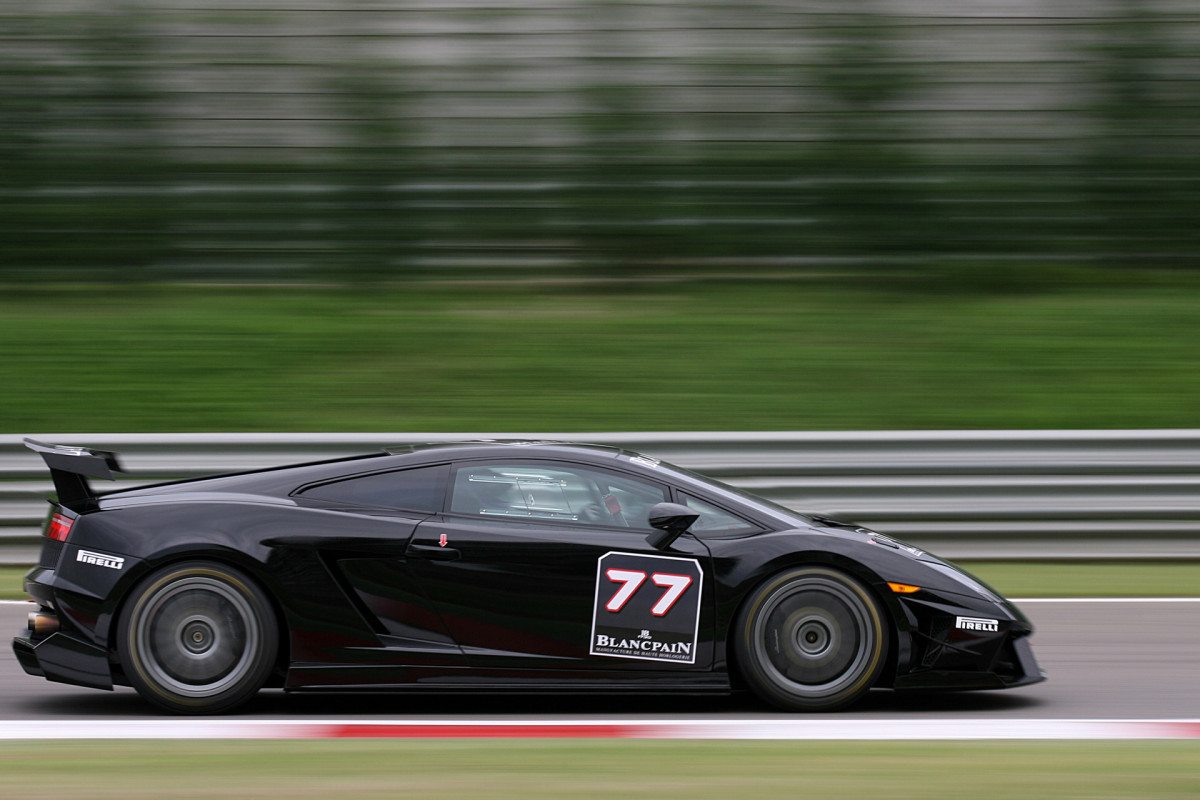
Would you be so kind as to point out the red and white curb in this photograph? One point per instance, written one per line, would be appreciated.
(810, 730)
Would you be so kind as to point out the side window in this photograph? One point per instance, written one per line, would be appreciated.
(713, 519)
(420, 489)
(562, 492)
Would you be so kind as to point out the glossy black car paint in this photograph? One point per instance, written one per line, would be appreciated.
(374, 598)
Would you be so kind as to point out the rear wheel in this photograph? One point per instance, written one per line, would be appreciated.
(810, 639)
(197, 638)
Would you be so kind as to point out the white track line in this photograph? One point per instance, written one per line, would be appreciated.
(1021, 600)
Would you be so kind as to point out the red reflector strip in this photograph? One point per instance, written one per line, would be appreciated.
(59, 528)
(482, 731)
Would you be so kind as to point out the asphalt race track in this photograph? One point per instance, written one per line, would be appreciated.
(1118, 659)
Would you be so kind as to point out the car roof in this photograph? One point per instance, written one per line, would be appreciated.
(486, 447)
(285, 480)
(282, 479)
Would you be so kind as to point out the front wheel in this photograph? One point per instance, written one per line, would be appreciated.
(810, 639)
(197, 638)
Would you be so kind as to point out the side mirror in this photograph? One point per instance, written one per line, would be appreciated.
(672, 520)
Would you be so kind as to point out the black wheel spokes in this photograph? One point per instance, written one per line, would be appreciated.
(815, 637)
(199, 636)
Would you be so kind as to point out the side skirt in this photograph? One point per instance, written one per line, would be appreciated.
(422, 679)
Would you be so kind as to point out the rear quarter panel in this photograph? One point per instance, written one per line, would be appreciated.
(286, 548)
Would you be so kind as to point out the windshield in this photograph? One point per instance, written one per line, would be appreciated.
(755, 502)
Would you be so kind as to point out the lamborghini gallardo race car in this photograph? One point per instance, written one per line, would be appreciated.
(491, 567)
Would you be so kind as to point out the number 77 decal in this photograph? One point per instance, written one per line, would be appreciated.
(647, 607)
(676, 586)
(631, 580)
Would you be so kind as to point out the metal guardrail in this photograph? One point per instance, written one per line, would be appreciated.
(962, 494)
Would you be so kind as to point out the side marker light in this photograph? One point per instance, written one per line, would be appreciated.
(903, 588)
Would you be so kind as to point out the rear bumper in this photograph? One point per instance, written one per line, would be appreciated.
(64, 640)
(63, 658)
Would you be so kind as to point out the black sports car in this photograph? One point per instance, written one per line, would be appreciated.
(491, 567)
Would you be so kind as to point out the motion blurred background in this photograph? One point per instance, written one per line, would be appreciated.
(586, 215)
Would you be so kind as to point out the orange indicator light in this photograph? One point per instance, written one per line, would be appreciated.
(903, 588)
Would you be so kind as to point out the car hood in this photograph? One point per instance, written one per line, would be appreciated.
(912, 564)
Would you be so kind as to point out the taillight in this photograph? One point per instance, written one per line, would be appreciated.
(59, 528)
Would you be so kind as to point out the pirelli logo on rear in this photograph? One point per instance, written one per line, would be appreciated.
(100, 559)
(977, 624)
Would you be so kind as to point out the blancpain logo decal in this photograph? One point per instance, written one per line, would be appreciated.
(605, 643)
(977, 624)
(100, 559)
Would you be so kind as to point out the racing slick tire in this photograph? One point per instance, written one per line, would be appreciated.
(810, 639)
(197, 637)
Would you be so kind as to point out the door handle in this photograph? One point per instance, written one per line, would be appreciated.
(433, 552)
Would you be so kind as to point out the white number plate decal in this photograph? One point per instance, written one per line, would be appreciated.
(646, 607)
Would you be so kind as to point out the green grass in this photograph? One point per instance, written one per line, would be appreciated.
(795, 355)
(643, 769)
(1092, 579)
(10, 583)
(1014, 579)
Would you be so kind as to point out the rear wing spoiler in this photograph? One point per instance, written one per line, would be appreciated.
(70, 467)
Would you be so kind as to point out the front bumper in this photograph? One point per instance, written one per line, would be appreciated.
(958, 642)
(1014, 666)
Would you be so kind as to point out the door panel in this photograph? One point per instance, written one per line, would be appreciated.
(524, 594)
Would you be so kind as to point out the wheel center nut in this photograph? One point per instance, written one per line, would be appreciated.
(197, 637)
(813, 638)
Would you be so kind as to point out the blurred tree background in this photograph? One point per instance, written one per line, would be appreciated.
(480, 214)
(371, 141)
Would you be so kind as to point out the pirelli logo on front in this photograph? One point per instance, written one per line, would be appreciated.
(977, 624)
(100, 559)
